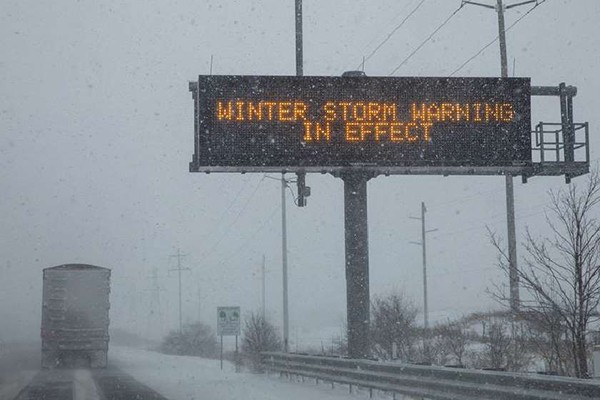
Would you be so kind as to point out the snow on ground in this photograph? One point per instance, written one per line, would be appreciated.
(14, 383)
(192, 378)
(19, 362)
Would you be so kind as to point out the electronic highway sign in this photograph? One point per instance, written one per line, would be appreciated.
(276, 123)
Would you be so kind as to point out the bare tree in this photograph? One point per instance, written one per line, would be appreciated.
(498, 346)
(259, 335)
(452, 339)
(196, 339)
(340, 342)
(503, 342)
(393, 324)
(507, 346)
(561, 273)
(548, 338)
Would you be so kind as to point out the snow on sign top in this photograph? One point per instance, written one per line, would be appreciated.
(311, 122)
(228, 321)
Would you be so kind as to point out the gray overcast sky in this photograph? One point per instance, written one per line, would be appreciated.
(96, 133)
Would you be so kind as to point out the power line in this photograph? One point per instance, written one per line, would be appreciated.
(496, 38)
(427, 39)
(391, 21)
(238, 215)
(248, 240)
(388, 37)
(480, 225)
(289, 187)
(438, 205)
(231, 204)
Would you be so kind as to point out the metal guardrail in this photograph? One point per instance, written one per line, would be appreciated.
(440, 383)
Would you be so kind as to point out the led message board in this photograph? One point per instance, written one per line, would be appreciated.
(254, 123)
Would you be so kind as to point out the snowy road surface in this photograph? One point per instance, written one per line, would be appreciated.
(147, 375)
(191, 378)
(22, 379)
(18, 364)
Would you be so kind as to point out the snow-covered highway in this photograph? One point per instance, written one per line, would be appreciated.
(147, 375)
(192, 378)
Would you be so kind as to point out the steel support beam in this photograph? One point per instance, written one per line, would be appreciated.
(357, 263)
(553, 90)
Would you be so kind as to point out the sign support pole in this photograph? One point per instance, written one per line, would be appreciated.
(221, 352)
(357, 262)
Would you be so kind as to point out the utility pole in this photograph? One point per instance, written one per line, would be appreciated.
(502, 40)
(423, 244)
(510, 195)
(179, 269)
(155, 301)
(284, 261)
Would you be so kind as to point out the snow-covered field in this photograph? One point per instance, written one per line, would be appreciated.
(187, 378)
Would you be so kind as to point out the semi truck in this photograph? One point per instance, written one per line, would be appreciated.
(75, 306)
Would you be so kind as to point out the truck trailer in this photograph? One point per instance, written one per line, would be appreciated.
(75, 305)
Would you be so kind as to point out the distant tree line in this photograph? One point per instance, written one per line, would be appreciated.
(198, 339)
(195, 339)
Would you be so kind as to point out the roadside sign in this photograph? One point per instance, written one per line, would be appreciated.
(228, 321)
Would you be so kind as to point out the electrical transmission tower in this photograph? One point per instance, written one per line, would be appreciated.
(179, 269)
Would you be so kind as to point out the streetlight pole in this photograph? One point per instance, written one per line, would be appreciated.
(284, 260)
(284, 263)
